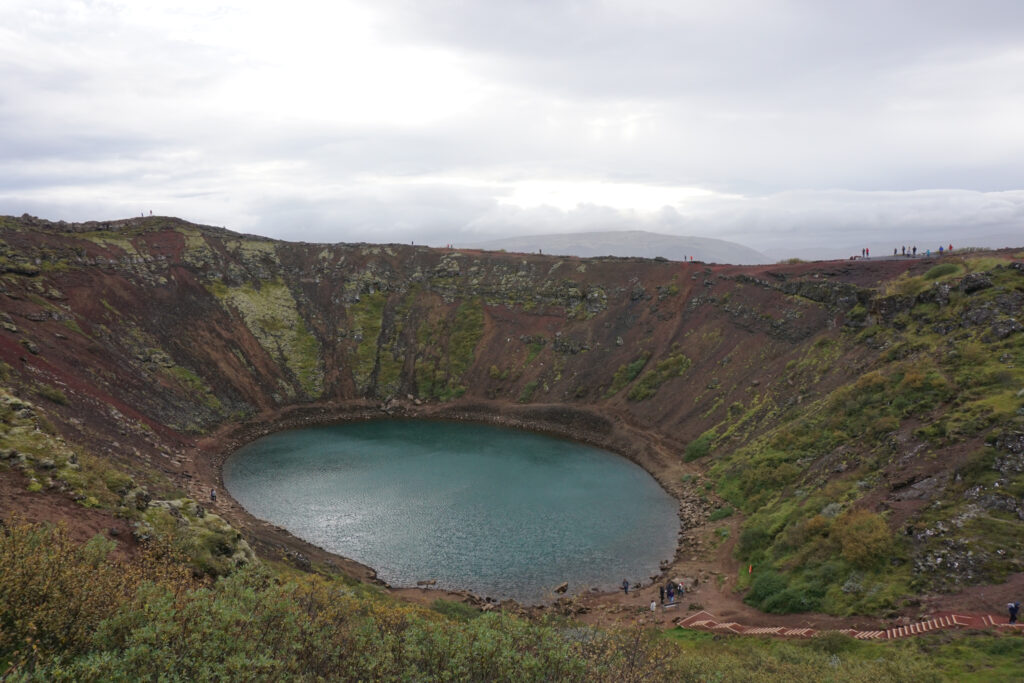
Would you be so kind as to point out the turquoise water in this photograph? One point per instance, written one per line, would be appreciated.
(502, 513)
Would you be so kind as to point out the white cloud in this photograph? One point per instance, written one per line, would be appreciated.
(760, 122)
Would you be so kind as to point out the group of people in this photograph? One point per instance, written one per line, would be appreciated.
(910, 252)
(670, 591)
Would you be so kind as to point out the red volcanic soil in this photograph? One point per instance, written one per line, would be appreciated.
(82, 523)
(120, 332)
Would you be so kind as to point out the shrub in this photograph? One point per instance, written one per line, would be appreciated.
(864, 538)
(457, 611)
(833, 642)
(721, 513)
(54, 593)
(766, 585)
(699, 447)
(793, 599)
(751, 540)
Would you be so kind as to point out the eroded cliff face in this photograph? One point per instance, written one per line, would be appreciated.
(133, 338)
(192, 326)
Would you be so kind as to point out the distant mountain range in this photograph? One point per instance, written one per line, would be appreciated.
(629, 243)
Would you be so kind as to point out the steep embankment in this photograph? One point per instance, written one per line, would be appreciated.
(863, 416)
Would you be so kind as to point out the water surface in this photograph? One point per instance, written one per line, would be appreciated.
(499, 512)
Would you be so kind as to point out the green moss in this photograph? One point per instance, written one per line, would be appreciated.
(447, 346)
(533, 349)
(213, 546)
(627, 373)
(367, 318)
(197, 251)
(107, 305)
(526, 395)
(675, 365)
(194, 386)
(108, 239)
(271, 314)
(72, 325)
(51, 393)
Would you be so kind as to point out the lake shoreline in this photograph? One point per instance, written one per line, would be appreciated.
(576, 424)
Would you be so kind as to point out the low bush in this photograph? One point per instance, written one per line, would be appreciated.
(765, 586)
(699, 447)
(721, 513)
(457, 611)
(864, 538)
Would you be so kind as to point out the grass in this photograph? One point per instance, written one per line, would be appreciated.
(941, 392)
(51, 393)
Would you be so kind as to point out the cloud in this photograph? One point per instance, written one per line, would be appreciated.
(436, 120)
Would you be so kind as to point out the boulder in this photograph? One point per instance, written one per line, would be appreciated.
(975, 282)
(562, 587)
(1001, 329)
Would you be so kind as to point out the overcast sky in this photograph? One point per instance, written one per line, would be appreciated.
(781, 125)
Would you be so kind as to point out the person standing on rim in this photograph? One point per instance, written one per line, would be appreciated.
(625, 587)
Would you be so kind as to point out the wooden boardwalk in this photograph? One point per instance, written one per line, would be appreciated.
(706, 622)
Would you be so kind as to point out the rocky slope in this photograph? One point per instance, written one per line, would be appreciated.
(865, 420)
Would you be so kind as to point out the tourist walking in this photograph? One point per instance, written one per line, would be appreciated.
(1013, 608)
(625, 587)
(213, 495)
